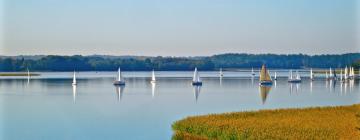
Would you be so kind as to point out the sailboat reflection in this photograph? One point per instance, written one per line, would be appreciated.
(294, 87)
(74, 93)
(153, 86)
(311, 86)
(119, 91)
(197, 90)
(264, 92)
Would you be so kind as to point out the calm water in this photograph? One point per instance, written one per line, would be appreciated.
(49, 107)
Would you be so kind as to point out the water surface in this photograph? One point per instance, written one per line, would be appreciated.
(49, 107)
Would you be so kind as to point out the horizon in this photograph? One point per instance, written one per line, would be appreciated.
(180, 56)
(178, 28)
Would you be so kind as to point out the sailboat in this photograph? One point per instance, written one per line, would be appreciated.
(294, 79)
(311, 75)
(265, 78)
(341, 75)
(346, 74)
(252, 72)
(74, 79)
(119, 80)
(196, 79)
(153, 79)
(221, 74)
(28, 76)
(275, 76)
(351, 73)
(331, 74)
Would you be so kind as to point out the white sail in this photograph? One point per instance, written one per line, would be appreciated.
(298, 76)
(311, 74)
(346, 75)
(290, 75)
(119, 78)
(275, 75)
(153, 76)
(74, 79)
(341, 74)
(196, 77)
(252, 71)
(330, 73)
(28, 73)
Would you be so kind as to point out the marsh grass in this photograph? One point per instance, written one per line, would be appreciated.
(311, 123)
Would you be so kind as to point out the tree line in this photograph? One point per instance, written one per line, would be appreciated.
(143, 63)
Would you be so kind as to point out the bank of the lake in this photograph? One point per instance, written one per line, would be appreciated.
(310, 123)
(18, 74)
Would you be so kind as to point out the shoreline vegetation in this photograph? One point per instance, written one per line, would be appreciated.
(341, 122)
(160, 63)
(19, 74)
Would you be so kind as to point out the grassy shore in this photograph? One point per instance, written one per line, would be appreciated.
(18, 74)
(311, 123)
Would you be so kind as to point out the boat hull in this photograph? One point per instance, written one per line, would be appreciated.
(119, 83)
(265, 83)
(196, 83)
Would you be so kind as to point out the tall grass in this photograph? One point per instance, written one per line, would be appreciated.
(311, 123)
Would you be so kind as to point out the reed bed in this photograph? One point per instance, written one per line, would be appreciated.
(311, 123)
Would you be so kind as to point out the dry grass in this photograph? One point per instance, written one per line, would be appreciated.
(313, 123)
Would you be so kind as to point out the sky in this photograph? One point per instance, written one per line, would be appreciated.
(178, 27)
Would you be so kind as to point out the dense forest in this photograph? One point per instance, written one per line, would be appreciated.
(143, 63)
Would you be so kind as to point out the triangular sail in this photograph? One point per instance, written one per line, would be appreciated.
(290, 75)
(119, 78)
(74, 78)
(311, 74)
(275, 76)
(28, 73)
(264, 74)
(331, 74)
(153, 76)
(196, 77)
(298, 75)
(341, 74)
(346, 73)
(221, 72)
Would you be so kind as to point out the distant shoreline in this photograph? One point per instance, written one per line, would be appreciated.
(202, 63)
(18, 74)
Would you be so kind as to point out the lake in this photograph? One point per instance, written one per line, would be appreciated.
(49, 107)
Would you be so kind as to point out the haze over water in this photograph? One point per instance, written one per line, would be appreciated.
(49, 107)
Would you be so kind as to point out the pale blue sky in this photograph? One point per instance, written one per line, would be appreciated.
(179, 27)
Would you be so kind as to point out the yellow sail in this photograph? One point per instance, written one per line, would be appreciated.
(264, 74)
